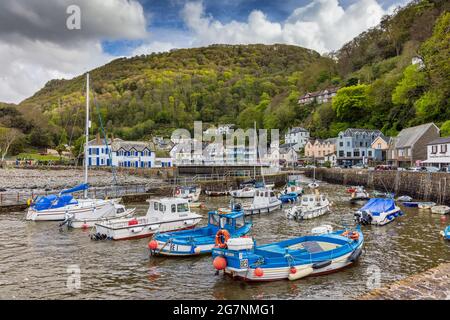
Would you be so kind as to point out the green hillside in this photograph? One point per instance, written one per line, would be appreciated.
(147, 95)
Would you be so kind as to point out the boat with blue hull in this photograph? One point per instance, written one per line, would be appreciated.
(289, 197)
(446, 233)
(290, 259)
(221, 227)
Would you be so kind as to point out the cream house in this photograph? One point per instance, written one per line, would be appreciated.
(318, 149)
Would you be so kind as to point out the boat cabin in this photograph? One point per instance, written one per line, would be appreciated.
(311, 199)
(231, 221)
(264, 196)
(164, 206)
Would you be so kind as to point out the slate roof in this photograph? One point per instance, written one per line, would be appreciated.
(409, 136)
(296, 130)
(353, 131)
(130, 145)
(440, 141)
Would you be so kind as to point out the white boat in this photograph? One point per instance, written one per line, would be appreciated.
(293, 187)
(378, 211)
(404, 199)
(426, 205)
(58, 213)
(192, 194)
(359, 194)
(313, 185)
(246, 192)
(55, 207)
(440, 209)
(89, 219)
(163, 215)
(265, 201)
(311, 206)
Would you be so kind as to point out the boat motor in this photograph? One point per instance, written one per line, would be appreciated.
(364, 217)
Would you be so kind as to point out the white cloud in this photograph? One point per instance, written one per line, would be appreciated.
(36, 46)
(322, 25)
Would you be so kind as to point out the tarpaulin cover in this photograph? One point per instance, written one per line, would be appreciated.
(51, 202)
(378, 205)
(80, 187)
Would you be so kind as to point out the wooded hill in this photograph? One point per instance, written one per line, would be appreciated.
(147, 95)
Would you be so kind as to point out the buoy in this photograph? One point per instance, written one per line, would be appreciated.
(197, 250)
(84, 226)
(443, 218)
(152, 245)
(220, 263)
(293, 270)
(259, 272)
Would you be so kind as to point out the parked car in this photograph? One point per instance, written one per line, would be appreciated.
(359, 166)
(417, 169)
(383, 167)
(445, 169)
(432, 169)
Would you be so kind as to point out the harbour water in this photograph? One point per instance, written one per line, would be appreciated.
(37, 258)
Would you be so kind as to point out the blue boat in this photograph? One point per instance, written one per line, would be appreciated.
(222, 225)
(289, 197)
(290, 259)
(446, 233)
(378, 211)
(411, 204)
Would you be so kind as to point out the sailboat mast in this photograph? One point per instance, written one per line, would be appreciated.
(86, 165)
(256, 159)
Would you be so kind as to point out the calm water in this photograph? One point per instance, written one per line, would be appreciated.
(35, 257)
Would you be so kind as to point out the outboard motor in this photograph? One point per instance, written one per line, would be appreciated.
(237, 207)
(364, 218)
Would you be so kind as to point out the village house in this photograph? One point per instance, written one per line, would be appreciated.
(288, 155)
(297, 137)
(354, 146)
(410, 147)
(438, 153)
(380, 147)
(320, 97)
(318, 149)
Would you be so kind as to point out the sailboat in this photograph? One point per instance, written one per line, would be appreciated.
(58, 207)
(314, 184)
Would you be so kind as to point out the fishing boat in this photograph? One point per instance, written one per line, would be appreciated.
(404, 199)
(245, 192)
(110, 212)
(54, 207)
(440, 209)
(426, 205)
(221, 227)
(264, 201)
(378, 211)
(289, 197)
(163, 215)
(191, 193)
(446, 233)
(359, 195)
(293, 187)
(311, 206)
(292, 259)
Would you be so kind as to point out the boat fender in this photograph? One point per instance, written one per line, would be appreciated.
(137, 230)
(355, 255)
(320, 265)
(300, 273)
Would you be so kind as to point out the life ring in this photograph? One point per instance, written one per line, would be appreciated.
(222, 237)
(351, 235)
(178, 191)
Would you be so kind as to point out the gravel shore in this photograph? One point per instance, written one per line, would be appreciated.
(30, 179)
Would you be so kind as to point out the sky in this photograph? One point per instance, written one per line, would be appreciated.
(36, 45)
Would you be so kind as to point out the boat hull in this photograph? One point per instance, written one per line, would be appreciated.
(440, 209)
(89, 223)
(259, 210)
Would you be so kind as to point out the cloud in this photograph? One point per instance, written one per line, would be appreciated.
(36, 46)
(322, 25)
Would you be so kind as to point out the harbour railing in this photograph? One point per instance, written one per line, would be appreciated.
(209, 177)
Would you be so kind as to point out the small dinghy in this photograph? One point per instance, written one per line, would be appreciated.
(109, 212)
(214, 193)
(446, 233)
(222, 227)
(426, 205)
(192, 193)
(292, 259)
(404, 199)
(311, 206)
(289, 197)
(378, 211)
(359, 195)
(246, 192)
(163, 215)
(264, 201)
(411, 204)
(440, 209)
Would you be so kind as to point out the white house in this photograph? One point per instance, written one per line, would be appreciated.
(289, 155)
(297, 136)
(120, 153)
(438, 153)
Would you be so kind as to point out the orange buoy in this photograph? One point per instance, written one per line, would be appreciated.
(293, 270)
(220, 263)
(152, 245)
(443, 218)
(84, 226)
(259, 272)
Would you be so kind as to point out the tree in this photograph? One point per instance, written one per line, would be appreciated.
(7, 137)
(445, 129)
(350, 102)
(60, 149)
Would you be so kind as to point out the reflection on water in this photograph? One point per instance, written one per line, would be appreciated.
(35, 257)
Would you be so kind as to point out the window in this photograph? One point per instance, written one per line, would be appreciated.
(183, 207)
(379, 146)
(360, 144)
(214, 220)
(341, 144)
(434, 149)
(162, 207)
(240, 222)
(155, 206)
(174, 208)
(369, 153)
(443, 148)
(349, 154)
(348, 143)
(341, 154)
(356, 153)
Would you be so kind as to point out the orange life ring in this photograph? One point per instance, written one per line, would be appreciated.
(222, 237)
